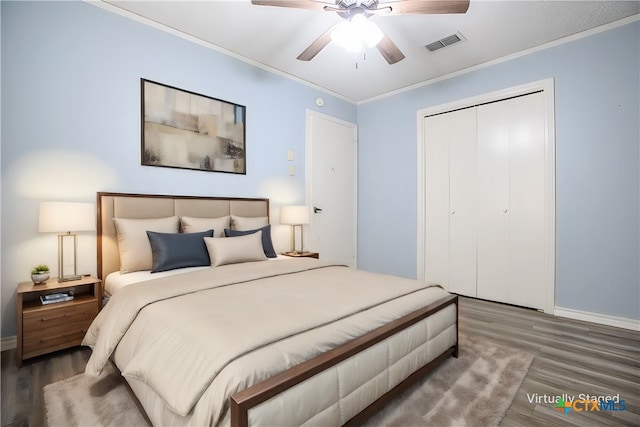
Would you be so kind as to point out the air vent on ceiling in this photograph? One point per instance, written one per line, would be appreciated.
(444, 42)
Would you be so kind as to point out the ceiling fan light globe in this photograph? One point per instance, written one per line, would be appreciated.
(346, 36)
(358, 20)
(372, 34)
(340, 34)
(354, 34)
(366, 31)
(354, 47)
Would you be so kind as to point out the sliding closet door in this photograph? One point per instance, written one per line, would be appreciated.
(511, 201)
(450, 248)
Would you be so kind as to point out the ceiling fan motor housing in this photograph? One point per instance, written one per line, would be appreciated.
(347, 9)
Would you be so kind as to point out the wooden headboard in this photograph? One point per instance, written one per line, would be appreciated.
(124, 205)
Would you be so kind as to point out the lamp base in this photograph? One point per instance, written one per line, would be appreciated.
(296, 253)
(303, 254)
(69, 278)
(62, 277)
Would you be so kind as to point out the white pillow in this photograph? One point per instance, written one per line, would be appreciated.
(246, 223)
(133, 242)
(192, 224)
(231, 250)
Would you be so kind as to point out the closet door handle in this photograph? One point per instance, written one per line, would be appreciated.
(453, 212)
(504, 210)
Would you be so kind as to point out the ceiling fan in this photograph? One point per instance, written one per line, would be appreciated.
(357, 12)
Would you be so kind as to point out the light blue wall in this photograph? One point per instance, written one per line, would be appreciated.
(71, 122)
(71, 126)
(597, 94)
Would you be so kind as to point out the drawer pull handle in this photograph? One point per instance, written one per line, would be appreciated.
(66, 315)
(44, 319)
(64, 335)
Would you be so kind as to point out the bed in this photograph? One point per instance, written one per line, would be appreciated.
(254, 339)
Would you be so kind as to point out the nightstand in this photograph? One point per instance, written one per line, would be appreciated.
(44, 328)
(315, 255)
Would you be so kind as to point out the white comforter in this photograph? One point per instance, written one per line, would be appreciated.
(209, 333)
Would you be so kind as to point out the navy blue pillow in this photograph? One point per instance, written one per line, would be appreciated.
(267, 245)
(178, 250)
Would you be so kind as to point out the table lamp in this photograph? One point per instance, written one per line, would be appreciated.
(296, 216)
(66, 218)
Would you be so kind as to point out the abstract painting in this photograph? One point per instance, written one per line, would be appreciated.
(182, 129)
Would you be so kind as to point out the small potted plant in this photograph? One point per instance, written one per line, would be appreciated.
(40, 274)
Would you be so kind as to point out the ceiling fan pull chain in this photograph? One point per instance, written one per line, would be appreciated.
(364, 58)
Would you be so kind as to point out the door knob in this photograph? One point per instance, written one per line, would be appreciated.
(453, 212)
(316, 209)
(504, 210)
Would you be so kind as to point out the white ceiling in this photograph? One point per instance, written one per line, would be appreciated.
(275, 36)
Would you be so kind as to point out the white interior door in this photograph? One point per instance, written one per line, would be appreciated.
(332, 191)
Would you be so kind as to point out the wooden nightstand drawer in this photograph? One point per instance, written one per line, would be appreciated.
(59, 314)
(44, 328)
(55, 338)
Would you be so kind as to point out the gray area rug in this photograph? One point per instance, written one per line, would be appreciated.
(475, 389)
(91, 401)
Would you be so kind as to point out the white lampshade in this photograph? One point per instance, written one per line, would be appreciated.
(295, 215)
(66, 217)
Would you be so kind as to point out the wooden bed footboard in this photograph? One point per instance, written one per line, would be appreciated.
(241, 402)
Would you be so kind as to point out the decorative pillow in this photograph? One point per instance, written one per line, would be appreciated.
(267, 244)
(192, 224)
(245, 223)
(235, 249)
(178, 250)
(133, 243)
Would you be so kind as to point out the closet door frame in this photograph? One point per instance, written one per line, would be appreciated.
(547, 88)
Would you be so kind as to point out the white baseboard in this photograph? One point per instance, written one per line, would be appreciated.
(9, 343)
(603, 319)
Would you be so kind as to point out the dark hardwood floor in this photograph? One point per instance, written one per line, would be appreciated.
(571, 358)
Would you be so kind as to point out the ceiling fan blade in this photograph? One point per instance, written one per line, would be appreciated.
(406, 7)
(389, 50)
(318, 44)
(299, 4)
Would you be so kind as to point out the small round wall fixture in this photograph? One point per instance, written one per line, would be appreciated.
(319, 102)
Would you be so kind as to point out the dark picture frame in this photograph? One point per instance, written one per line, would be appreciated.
(187, 130)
